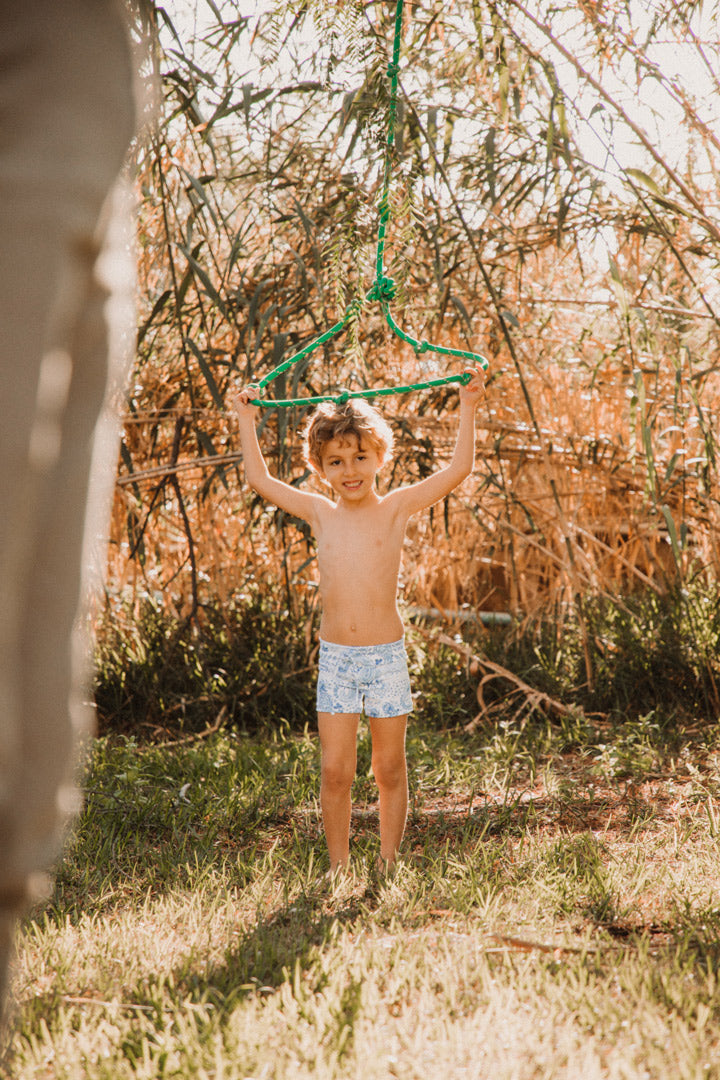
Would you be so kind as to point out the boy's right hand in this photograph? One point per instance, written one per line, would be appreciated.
(473, 390)
(240, 400)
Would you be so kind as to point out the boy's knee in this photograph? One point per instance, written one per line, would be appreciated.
(389, 772)
(337, 776)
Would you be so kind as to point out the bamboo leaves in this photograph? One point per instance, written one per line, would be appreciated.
(207, 373)
(204, 276)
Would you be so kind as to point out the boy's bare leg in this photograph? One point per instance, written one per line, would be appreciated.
(338, 744)
(390, 771)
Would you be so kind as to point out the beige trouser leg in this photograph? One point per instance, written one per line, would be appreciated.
(66, 119)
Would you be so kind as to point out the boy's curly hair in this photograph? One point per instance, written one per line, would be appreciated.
(354, 417)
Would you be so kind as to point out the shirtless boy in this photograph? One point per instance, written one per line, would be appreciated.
(359, 539)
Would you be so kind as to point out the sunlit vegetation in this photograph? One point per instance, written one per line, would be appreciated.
(523, 226)
(518, 230)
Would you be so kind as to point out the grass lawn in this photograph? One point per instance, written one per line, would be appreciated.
(556, 915)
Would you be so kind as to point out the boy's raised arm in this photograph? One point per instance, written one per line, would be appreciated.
(418, 496)
(301, 504)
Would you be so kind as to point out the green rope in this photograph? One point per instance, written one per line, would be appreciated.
(345, 395)
(383, 288)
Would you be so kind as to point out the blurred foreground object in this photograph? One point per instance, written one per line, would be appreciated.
(66, 120)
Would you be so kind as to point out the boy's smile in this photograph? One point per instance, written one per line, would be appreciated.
(350, 468)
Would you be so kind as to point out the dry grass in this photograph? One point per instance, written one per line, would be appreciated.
(577, 509)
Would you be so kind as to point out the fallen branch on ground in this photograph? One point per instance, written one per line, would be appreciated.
(532, 697)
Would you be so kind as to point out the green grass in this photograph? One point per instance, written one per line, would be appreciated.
(556, 914)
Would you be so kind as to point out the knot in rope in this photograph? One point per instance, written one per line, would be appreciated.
(342, 398)
(422, 346)
(383, 289)
(392, 70)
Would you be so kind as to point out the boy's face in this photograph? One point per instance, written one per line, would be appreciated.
(350, 467)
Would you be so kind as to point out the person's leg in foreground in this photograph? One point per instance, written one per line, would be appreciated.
(66, 83)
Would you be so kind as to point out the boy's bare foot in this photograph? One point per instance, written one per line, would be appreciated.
(336, 874)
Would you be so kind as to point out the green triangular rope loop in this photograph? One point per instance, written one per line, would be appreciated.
(383, 289)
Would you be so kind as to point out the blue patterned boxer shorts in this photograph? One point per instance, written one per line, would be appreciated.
(371, 676)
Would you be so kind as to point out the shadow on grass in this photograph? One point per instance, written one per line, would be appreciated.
(284, 947)
(621, 807)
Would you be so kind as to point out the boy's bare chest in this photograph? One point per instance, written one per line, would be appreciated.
(355, 541)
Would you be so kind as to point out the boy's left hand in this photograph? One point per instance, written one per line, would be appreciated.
(240, 399)
(472, 391)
